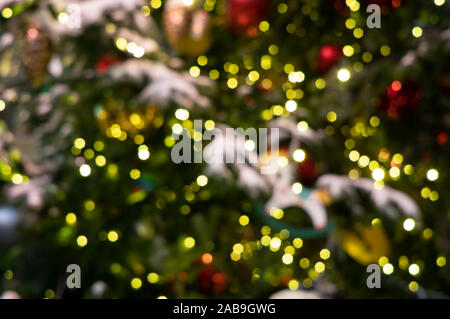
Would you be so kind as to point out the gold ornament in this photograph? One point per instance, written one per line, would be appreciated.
(36, 52)
(365, 244)
(187, 28)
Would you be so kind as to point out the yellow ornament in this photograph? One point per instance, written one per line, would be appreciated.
(365, 244)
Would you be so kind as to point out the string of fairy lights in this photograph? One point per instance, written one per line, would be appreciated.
(384, 166)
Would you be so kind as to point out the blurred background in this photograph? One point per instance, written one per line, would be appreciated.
(93, 97)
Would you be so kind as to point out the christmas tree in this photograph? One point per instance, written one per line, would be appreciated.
(96, 97)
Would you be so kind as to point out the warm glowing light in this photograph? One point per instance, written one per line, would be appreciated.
(82, 241)
(388, 269)
(378, 174)
(85, 170)
(244, 220)
(113, 236)
(409, 224)
(202, 180)
(414, 269)
(287, 259)
(207, 258)
(182, 114)
(432, 174)
(343, 75)
(324, 254)
(71, 218)
(189, 242)
(136, 283)
(299, 155)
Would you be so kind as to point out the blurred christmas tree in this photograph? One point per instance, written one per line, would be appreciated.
(93, 92)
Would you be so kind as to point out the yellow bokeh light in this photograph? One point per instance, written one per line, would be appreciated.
(135, 173)
(331, 116)
(304, 263)
(202, 180)
(287, 259)
(291, 106)
(113, 236)
(413, 286)
(409, 224)
(136, 283)
(79, 143)
(85, 170)
(383, 261)
(348, 50)
(297, 188)
(244, 220)
(324, 254)
(264, 26)
(414, 269)
(153, 278)
(293, 284)
(417, 32)
(189, 242)
(297, 242)
(299, 155)
(71, 218)
(432, 175)
(319, 267)
(441, 261)
(358, 33)
(82, 241)
(100, 161)
(388, 269)
(194, 71)
(7, 13)
(378, 174)
(343, 75)
(320, 84)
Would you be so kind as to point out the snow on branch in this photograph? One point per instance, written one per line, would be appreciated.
(386, 199)
(162, 84)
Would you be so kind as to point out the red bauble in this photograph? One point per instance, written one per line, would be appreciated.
(245, 15)
(308, 171)
(211, 282)
(442, 138)
(329, 56)
(105, 62)
(401, 99)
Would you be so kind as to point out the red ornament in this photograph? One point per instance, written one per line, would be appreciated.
(105, 62)
(211, 282)
(329, 56)
(308, 171)
(245, 15)
(442, 138)
(401, 99)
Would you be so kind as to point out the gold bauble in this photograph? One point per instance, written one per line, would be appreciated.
(187, 29)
